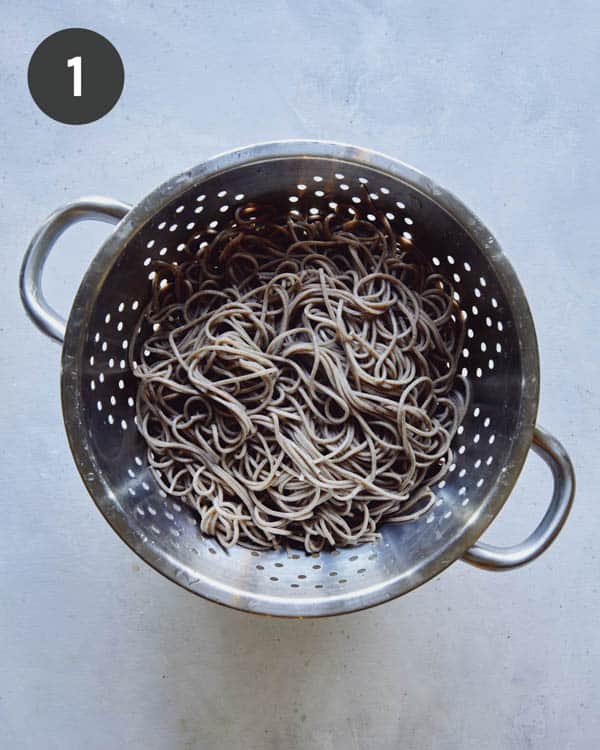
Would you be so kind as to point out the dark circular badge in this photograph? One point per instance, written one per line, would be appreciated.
(76, 76)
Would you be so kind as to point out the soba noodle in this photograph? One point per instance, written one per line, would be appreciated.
(298, 379)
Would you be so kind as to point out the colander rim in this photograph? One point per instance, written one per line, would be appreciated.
(104, 496)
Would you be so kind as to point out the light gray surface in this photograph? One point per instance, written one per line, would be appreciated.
(499, 105)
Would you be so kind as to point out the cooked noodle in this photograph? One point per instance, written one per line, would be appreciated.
(298, 379)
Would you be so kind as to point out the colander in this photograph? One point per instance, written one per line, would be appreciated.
(500, 358)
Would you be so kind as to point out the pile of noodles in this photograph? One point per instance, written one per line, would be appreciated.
(298, 379)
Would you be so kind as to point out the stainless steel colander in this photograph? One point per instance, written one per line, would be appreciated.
(500, 358)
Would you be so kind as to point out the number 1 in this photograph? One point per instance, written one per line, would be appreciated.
(75, 63)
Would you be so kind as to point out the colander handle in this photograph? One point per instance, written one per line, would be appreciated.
(41, 313)
(507, 558)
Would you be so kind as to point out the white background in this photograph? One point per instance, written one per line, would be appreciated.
(497, 102)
